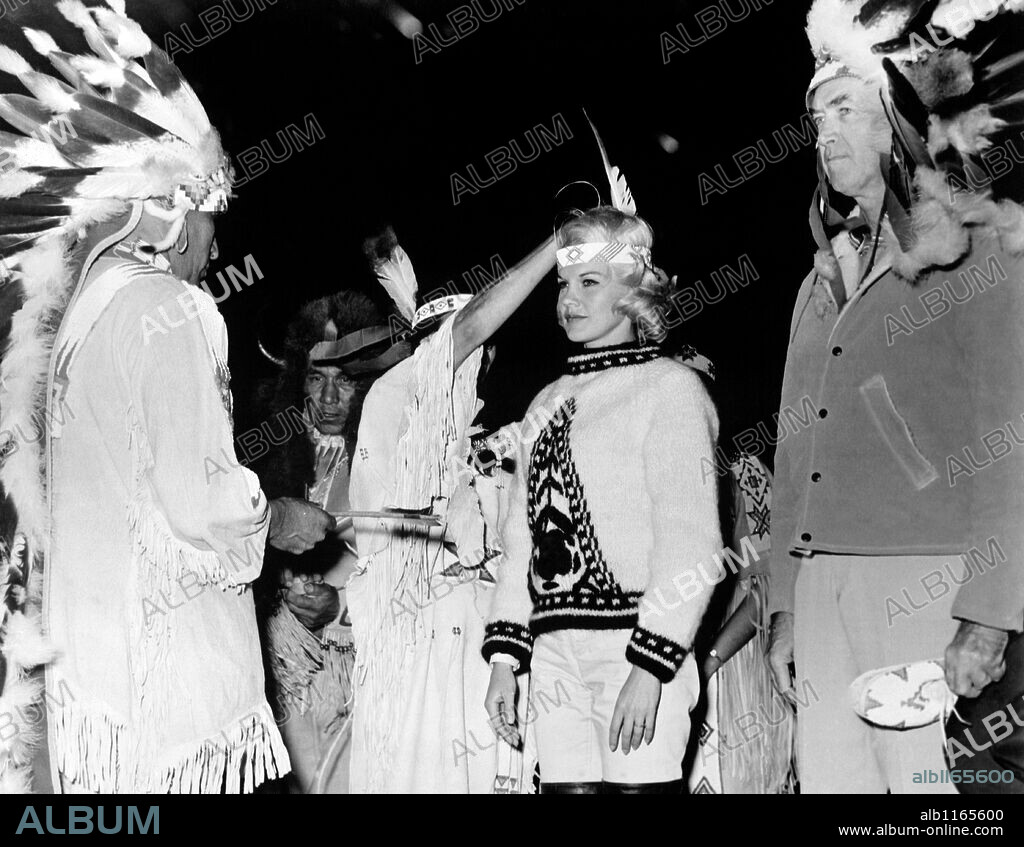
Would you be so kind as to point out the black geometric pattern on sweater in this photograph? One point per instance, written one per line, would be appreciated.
(616, 356)
(566, 559)
(554, 612)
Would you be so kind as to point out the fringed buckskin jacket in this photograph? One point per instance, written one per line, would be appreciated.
(159, 686)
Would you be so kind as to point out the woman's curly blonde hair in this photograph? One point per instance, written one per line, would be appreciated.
(648, 300)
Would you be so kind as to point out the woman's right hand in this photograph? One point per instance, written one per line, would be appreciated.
(500, 703)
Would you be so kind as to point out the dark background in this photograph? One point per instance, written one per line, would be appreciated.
(396, 130)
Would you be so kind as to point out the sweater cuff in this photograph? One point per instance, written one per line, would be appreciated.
(512, 639)
(654, 653)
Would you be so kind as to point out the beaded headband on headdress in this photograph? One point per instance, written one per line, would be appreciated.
(612, 252)
(208, 194)
(395, 272)
(441, 306)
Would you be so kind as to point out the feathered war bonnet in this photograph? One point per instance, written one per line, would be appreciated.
(950, 75)
(115, 130)
(111, 131)
(107, 135)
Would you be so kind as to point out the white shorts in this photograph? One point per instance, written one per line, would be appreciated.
(576, 679)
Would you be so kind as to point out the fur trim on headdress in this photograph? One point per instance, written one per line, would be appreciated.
(47, 284)
(968, 131)
(944, 222)
(24, 645)
(24, 648)
(941, 76)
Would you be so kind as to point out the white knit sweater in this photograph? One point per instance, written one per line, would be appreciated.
(611, 510)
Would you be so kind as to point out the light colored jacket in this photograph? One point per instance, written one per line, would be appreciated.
(159, 687)
(901, 429)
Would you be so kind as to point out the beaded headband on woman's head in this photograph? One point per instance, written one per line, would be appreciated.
(612, 252)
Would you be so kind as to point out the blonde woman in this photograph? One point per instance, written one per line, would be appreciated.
(610, 531)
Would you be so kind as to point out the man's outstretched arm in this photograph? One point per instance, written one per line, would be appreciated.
(485, 313)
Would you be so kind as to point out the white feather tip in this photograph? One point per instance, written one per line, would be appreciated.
(76, 12)
(12, 62)
(98, 72)
(41, 41)
(126, 36)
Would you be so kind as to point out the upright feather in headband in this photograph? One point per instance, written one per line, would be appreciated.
(621, 196)
(395, 272)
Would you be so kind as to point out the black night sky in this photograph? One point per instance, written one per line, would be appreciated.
(678, 89)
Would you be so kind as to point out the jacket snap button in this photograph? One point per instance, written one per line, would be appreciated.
(815, 477)
(805, 537)
(837, 351)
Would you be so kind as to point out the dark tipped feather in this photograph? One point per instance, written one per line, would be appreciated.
(11, 244)
(921, 15)
(133, 124)
(60, 182)
(32, 203)
(62, 64)
(101, 130)
(24, 113)
(27, 224)
(908, 116)
(164, 73)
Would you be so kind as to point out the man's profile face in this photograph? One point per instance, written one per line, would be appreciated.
(852, 133)
(331, 393)
(192, 264)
